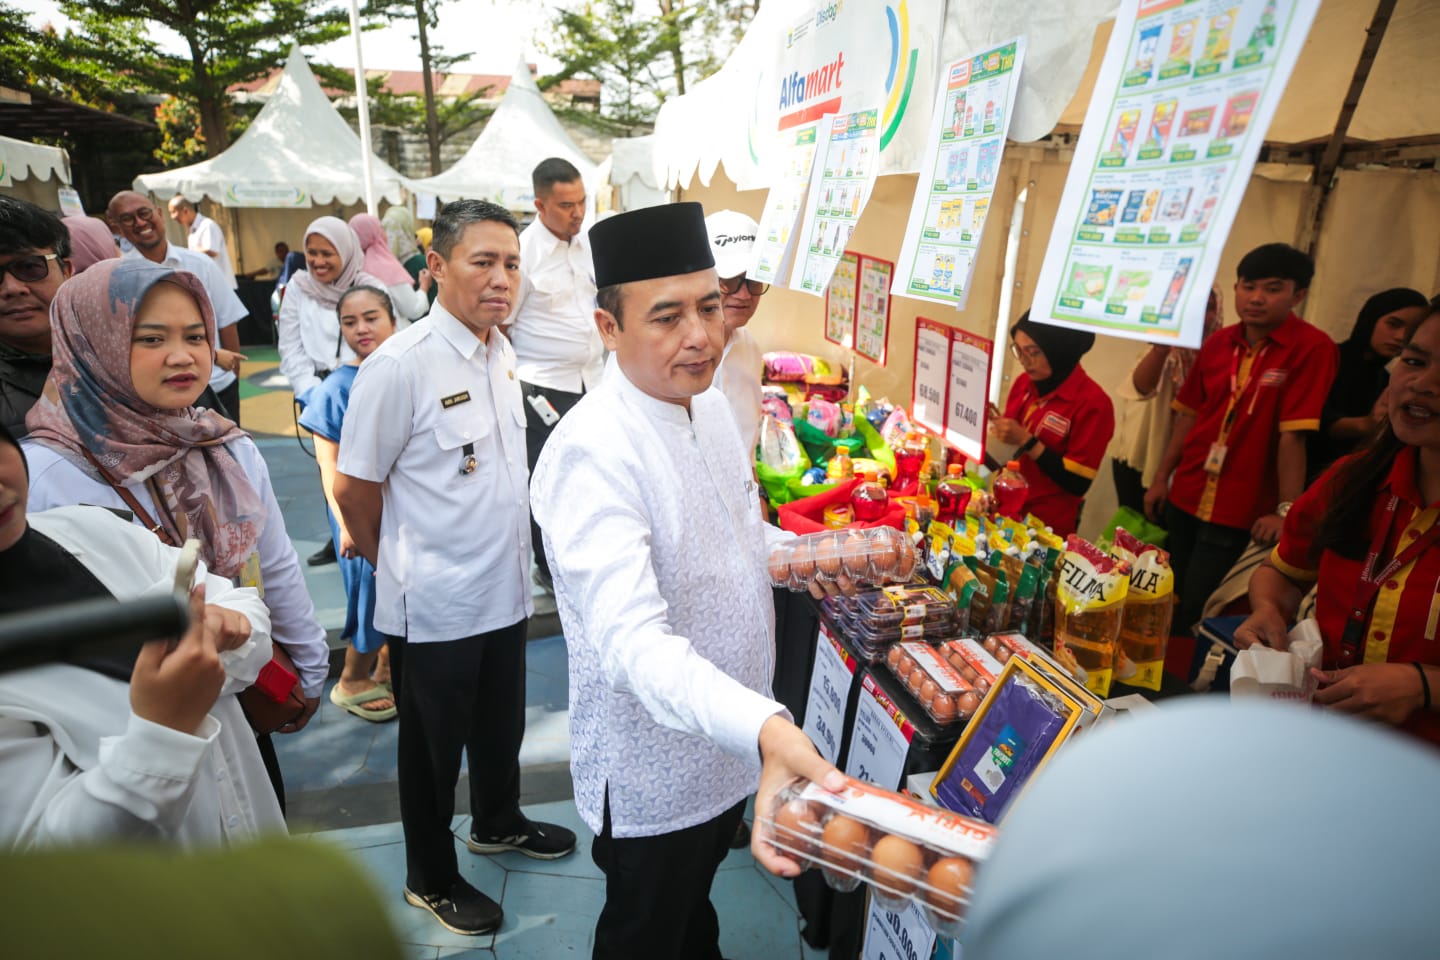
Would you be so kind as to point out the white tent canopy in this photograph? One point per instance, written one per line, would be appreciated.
(20, 160)
(497, 167)
(632, 172)
(297, 153)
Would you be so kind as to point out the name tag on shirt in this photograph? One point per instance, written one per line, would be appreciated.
(455, 398)
(1056, 424)
(1273, 378)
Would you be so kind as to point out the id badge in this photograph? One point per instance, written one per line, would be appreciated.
(1215, 459)
(544, 409)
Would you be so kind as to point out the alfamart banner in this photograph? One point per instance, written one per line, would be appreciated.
(846, 56)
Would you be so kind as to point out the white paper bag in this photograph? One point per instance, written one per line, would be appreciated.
(1280, 674)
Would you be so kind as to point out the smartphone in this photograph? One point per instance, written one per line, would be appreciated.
(185, 568)
(544, 409)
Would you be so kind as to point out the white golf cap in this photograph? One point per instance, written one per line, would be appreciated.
(732, 241)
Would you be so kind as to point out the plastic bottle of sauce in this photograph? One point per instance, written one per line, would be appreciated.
(869, 500)
(1010, 491)
(952, 495)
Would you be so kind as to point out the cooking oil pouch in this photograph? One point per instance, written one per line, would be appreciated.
(1089, 607)
(968, 593)
(939, 552)
(1149, 609)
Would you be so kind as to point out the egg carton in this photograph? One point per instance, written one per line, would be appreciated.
(973, 661)
(867, 557)
(946, 696)
(906, 851)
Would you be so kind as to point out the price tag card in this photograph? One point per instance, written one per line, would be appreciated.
(932, 374)
(829, 689)
(897, 936)
(872, 312)
(965, 412)
(881, 740)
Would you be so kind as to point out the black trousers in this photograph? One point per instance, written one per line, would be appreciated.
(1129, 490)
(537, 431)
(657, 891)
(1201, 554)
(460, 695)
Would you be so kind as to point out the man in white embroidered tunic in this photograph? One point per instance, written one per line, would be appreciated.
(646, 501)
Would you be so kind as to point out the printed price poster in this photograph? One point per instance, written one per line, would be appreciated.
(932, 375)
(966, 412)
(847, 158)
(872, 313)
(775, 240)
(1183, 100)
(840, 301)
(829, 690)
(902, 935)
(881, 740)
(957, 175)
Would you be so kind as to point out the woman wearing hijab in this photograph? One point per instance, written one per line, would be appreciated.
(146, 746)
(1058, 418)
(1354, 409)
(90, 242)
(400, 233)
(309, 333)
(117, 427)
(410, 303)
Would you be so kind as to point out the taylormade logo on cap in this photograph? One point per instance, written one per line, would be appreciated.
(724, 240)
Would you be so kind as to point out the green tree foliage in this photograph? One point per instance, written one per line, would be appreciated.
(120, 44)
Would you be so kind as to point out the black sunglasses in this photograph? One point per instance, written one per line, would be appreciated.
(31, 269)
(733, 285)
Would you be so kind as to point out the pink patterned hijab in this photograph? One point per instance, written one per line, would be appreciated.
(379, 261)
(352, 264)
(90, 406)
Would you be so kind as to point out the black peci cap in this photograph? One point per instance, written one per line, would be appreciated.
(664, 241)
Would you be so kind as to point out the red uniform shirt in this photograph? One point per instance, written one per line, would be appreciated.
(1076, 420)
(1404, 619)
(1243, 398)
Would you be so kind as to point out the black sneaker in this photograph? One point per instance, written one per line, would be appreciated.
(464, 910)
(324, 555)
(541, 841)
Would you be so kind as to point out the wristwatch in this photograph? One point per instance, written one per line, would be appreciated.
(1283, 508)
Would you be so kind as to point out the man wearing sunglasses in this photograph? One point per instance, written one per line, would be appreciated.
(732, 241)
(34, 261)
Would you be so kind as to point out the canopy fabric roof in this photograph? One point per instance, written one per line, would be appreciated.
(20, 161)
(297, 153)
(519, 134)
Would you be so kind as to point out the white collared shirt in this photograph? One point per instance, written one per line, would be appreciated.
(205, 234)
(223, 300)
(656, 544)
(454, 547)
(739, 379)
(553, 321)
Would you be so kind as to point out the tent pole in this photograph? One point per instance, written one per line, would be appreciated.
(362, 101)
(1322, 182)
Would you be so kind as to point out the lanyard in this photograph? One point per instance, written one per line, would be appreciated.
(1237, 389)
(1370, 581)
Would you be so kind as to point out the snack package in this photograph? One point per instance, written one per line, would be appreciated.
(787, 366)
(868, 556)
(1149, 609)
(946, 695)
(825, 416)
(905, 850)
(1089, 607)
(974, 662)
(969, 595)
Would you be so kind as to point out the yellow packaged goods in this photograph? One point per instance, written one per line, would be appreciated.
(1149, 609)
(1089, 606)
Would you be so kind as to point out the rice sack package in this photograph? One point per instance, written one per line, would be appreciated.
(1145, 624)
(1089, 606)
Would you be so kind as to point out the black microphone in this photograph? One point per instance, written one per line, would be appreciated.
(90, 629)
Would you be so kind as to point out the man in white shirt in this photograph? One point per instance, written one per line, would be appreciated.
(205, 236)
(552, 324)
(431, 484)
(732, 240)
(139, 222)
(658, 550)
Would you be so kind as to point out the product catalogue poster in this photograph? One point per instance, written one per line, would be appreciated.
(775, 240)
(872, 312)
(1183, 100)
(847, 159)
(840, 301)
(957, 175)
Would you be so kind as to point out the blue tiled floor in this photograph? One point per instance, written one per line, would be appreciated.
(550, 906)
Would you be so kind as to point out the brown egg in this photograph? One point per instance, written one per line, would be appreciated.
(942, 708)
(992, 646)
(797, 825)
(928, 689)
(842, 841)
(982, 684)
(827, 557)
(967, 703)
(802, 562)
(884, 556)
(892, 657)
(906, 664)
(949, 880)
(899, 864)
(916, 680)
(780, 567)
(905, 563)
(855, 554)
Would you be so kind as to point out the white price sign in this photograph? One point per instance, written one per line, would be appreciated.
(881, 740)
(932, 374)
(829, 689)
(897, 936)
(965, 415)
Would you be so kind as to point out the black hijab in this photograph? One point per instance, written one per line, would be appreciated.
(1063, 348)
(36, 572)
